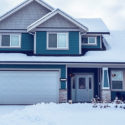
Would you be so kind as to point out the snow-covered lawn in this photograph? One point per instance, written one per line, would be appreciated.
(5, 109)
(61, 114)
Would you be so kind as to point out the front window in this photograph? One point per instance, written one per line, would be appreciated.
(117, 80)
(91, 40)
(57, 40)
(10, 40)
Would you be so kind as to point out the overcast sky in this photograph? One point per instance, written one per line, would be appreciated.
(111, 11)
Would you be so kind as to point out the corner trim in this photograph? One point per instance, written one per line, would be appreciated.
(80, 43)
(35, 43)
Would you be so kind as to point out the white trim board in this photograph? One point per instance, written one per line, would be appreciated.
(80, 43)
(23, 4)
(35, 43)
(50, 15)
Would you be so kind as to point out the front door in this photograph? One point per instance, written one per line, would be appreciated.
(83, 90)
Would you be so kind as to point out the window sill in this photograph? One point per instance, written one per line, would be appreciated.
(89, 44)
(117, 90)
(10, 47)
(58, 49)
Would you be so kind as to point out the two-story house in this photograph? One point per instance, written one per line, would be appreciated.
(42, 57)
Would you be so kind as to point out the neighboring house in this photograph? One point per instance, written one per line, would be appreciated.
(44, 57)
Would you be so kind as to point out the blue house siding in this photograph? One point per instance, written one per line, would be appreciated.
(61, 67)
(98, 46)
(41, 44)
(26, 44)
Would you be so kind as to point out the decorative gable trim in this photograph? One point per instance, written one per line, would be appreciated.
(50, 15)
(46, 5)
(20, 6)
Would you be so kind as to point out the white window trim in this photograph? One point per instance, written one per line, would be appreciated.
(95, 40)
(118, 80)
(58, 48)
(10, 40)
(88, 43)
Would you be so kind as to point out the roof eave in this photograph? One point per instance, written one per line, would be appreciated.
(106, 33)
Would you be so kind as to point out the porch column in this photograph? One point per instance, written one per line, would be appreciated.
(105, 89)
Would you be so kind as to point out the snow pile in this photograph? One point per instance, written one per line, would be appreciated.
(64, 114)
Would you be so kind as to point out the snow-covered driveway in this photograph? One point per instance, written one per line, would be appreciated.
(61, 114)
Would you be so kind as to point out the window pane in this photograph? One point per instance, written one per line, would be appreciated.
(84, 40)
(90, 83)
(52, 41)
(5, 40)
(117, 85)
(91, 40)
(62, 40)
(14, 40)
(117, 75)
(74, 86)
(82, 84)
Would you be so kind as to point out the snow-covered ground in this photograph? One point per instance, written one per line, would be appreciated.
(62, 114)
(6, 109)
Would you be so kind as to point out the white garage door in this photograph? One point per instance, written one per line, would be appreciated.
(29, 87)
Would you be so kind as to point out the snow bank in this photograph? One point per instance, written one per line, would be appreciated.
(64, 114)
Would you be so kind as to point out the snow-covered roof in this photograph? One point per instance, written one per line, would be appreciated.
(115, 53)
(94, 24)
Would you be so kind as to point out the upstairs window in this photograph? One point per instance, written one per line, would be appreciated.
(10, 40)
(92, 40)
(57, 41)
(117, 80)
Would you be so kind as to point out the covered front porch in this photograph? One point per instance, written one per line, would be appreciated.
(105, 82)
(83, 84)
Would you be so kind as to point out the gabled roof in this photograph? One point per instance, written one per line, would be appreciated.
(53, 13)
(94, 25)
(23, 4)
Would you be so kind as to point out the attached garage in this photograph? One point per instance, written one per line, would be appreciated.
(29, 87)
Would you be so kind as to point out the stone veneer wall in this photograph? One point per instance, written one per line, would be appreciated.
(106, 95)
(63, 96)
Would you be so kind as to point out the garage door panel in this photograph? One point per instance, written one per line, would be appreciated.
(29, 87)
